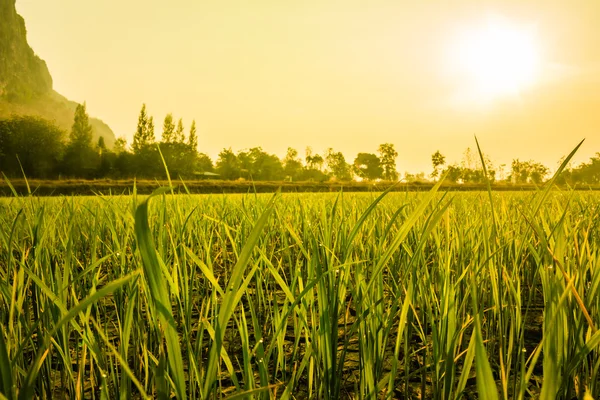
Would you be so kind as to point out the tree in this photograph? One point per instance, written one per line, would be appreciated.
(527, 172)
(144, 133)
(228, 165)
(292, 166)
(387, 157)
(313, 161)
(438, 160)
(204, 163)
(193, 138)
(120, 145)
(452, 173)
(150, 130)
(168, 133)
(337, 165)
(81, 132)
(101, 146)
(367, 166)
(32, 143)
(257, 165)
(80, 157)
(179, 135)
(588, 173)
(106, 159)
(468, 161)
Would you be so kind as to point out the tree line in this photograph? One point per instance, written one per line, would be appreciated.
(36, 148)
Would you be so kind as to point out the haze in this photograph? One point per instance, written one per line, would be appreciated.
(343, 74)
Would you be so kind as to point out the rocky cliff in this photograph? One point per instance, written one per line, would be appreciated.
(26, 83)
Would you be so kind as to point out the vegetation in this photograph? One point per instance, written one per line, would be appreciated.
(301, 296)
(37, 149)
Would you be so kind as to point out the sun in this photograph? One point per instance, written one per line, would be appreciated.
(498, 58)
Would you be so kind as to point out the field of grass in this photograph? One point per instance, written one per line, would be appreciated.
(294, 296)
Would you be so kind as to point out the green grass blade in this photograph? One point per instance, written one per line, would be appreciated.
(6, 379)
(159, 293)
(229, 301)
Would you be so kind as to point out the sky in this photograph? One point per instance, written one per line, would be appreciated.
(524, 77)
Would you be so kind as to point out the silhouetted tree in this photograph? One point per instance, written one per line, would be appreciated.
(168, 133)
(588, 173)
(193, 138)
(257, 165)
(292, 166)
(527, 172)
(438, 160)
(313, 161)
(367, 166)
(337, 165)
(34, 142)
(227, 165)
(204, 163)
(144, 133)
(179, 135)
(80, 157)
(120, 145)
(387, 158)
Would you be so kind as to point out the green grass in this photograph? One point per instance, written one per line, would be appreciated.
(323, 296)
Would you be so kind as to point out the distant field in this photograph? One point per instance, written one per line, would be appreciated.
(91, 187)
(305, 295)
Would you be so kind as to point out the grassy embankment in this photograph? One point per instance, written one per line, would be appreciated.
(106, 186)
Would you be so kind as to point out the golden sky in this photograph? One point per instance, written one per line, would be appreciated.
(333, 73)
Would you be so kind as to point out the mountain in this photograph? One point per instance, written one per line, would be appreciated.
(26, 83)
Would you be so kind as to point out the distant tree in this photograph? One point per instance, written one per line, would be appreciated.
(471, 170)
(204, 163)
(468, 162)
(317, 162)
(80, 157)
(292, 166)
(168, 133)
(437, 160)
(367, 166)
(101, 146)
(33, 143)
(150, 130)
(107, 159)
(120, 145)
(227, 165)
(308, 157)
(314, 164)
(387, 158)
(193, 138)
(313, 161)
(538, 173)
(415, 178)
(453, 173)
(144, 133)
(588, 173)
(313, 175)
(81, 132)
(268, 166)
(337, 165)
(257, 165)
(500, 174)
(179, 135)
(527, 172)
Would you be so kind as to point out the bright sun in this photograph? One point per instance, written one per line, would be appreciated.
(498, 59)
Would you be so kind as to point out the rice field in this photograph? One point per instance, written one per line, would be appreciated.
(301, 296)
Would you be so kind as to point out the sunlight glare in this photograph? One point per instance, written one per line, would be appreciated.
(498, 58)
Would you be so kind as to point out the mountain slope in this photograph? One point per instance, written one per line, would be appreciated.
(26, 83)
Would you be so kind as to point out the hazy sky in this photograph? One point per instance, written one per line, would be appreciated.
(344, 74)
